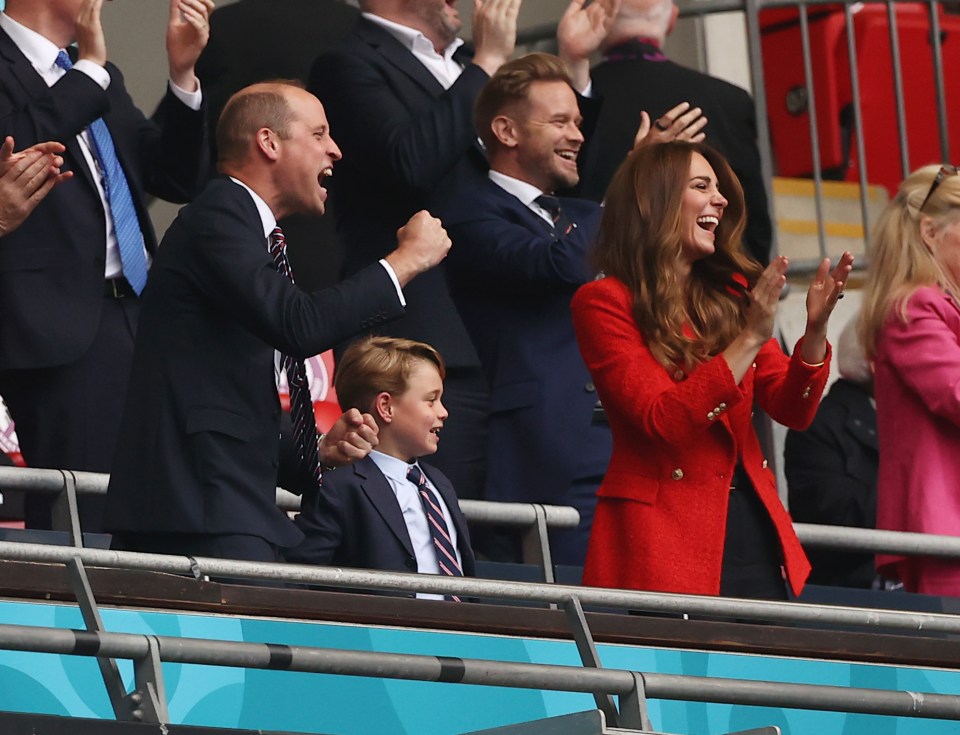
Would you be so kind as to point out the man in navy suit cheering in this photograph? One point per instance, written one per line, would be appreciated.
(520, 253)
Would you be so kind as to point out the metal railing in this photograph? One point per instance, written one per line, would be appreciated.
(858, 150)
(537, 519)
(147, 702)
(533, 519)
(626, 684)
(655, 602)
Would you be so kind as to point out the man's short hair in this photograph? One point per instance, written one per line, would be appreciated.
(261, 105)
(376, 365)
(510, 86)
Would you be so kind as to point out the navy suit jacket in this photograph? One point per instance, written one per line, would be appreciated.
(635, 77)
(52, 267)
(199, 440)
(405, 142)
(512, 280)
(354, 520)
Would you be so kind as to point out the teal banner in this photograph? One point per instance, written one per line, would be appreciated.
(270, 700)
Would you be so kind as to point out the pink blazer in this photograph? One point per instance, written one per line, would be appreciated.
(662, 508)
(917, 385)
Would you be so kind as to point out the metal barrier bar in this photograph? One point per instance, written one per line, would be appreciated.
(659, 602)
(476, 511)
(764, 143)
(936, 45)
(869, 540)
(481, 672)
(842, 538)
(814, 131)
(893, 28)
(858, 122)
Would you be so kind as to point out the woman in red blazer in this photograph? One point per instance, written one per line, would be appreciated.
(678, 338)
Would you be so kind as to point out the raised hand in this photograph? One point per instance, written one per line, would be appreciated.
(421, 244)
(580, 32)
(352, 437)
(91, 44)
(678, 123)
(25, 179)
(494, 32)
(188, 31)
(764, 299)
(825, 290)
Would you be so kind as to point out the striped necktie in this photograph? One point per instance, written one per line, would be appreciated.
(126, 224)
(561, 223)
(305, 436)
(443, 545)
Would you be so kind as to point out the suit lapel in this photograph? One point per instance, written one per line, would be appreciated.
(383, 499)
(400, 57)
(34, 87)
(523, 213)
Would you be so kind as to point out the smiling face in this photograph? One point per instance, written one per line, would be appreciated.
(548, 137)
(410, 422)
(305, 157)
(701, 210)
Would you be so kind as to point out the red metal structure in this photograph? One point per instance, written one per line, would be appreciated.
(787, 106)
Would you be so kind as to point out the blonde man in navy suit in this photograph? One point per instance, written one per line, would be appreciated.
(371, 514)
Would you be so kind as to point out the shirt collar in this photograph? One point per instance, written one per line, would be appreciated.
(392, 467)
(412, 39)
(39, 50)
(523, 191)
(267, 220)
(633, 49)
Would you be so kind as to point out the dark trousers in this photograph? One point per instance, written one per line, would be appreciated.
(68, 417)
(751, 552)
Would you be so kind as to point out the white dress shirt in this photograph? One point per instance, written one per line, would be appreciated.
(42, 55)
(523, 191)
(443, 67)
(395, 470)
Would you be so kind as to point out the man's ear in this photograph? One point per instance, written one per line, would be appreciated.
(674, 14)
(268, 143)
(505, 130)
(383, 408)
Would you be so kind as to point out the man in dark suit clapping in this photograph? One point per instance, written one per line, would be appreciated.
(71, 275)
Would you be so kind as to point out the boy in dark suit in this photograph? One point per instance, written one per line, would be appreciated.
(389, 511)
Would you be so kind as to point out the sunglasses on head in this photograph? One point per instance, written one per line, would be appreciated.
(943, 173)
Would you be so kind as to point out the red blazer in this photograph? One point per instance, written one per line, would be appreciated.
(662, 508)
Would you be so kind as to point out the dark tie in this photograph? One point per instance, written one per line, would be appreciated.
(443, 545)
(126, 224)
(305, 436)
(561, 224)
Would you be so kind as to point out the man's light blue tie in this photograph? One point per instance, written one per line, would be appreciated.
(126, 224)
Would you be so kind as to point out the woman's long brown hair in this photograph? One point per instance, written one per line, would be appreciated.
(640, 242)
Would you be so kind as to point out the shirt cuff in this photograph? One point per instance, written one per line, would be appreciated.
(588, 90)
(193, 100)
(396, 283)
(93, 70)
